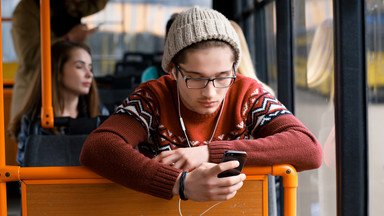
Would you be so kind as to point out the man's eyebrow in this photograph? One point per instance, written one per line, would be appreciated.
(199, 73)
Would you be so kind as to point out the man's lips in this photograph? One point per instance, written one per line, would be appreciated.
(207, 103)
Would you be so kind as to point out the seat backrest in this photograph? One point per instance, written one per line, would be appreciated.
(113, 97)
(42, 148)
(79, 191)
(137, 57)
(127, 74)
(100, 197)
(53, 150)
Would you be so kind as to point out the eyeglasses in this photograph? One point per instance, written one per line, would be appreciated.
(200, 83)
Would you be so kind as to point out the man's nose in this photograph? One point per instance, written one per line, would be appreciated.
(209, 90)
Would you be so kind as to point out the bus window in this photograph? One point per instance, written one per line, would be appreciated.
(375, 82)
(313, 67)
(131, 26)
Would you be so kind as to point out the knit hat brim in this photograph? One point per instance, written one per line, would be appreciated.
(195, 25)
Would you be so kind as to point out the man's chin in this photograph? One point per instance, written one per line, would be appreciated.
(207, 111)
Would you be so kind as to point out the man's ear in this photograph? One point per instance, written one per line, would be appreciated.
(172, 69)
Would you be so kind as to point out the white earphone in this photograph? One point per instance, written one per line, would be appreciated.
(173, 73)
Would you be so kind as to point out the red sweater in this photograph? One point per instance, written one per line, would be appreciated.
(252, 120)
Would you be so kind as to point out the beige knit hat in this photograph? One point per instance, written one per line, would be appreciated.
(195, 25)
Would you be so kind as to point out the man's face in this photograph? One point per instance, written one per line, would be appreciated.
(205, 63)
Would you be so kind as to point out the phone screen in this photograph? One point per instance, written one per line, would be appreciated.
(240, 156)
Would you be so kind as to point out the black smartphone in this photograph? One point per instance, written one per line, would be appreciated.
(240, 156)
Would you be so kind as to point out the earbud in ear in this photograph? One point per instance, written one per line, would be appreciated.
(173, 73)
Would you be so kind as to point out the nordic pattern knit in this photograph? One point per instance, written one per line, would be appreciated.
(252, 120)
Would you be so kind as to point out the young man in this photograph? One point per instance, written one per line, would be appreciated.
(183, 123)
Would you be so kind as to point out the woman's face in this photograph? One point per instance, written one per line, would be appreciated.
(205, 63)
(77, 73)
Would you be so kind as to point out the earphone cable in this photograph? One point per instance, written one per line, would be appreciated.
(182, 122)
(201, 213)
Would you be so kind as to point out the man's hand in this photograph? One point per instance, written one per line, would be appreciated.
(202, 184)
(186, 159)
(80, 33)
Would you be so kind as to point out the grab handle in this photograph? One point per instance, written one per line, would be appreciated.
(46, 84)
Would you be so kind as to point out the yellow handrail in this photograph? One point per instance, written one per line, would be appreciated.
(16, 173)
(290, 183)
(46, 84)
(3, 185)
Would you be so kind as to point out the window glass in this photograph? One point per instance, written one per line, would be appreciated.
(313, 68)
(270, 29)
(375, 82)
(124, 25)
(7, 7)
(131, 26)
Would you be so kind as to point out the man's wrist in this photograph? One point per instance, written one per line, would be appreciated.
(66, 37)
(175, 190)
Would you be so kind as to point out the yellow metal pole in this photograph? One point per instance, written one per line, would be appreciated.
(75, 172)
(290, 182)
(3, 185)
(46, 86)
(290, 201)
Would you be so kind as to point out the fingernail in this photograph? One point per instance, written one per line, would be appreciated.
(244, 176)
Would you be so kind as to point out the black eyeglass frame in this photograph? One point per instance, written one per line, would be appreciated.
(207, 79)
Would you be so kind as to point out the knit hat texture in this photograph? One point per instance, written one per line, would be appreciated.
(197, 24)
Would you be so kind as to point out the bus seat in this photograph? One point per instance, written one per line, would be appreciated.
(113, 97)
(113, 90)
(128, 74)
(46, 149)
(137, 57)
(132, 66)
(101, 197)
(53, 150)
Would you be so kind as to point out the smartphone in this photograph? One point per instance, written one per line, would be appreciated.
(229, 155)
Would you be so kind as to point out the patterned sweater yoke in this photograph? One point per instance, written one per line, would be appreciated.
(154, 104)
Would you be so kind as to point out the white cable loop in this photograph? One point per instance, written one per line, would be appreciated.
(201, 213)
(182, 122)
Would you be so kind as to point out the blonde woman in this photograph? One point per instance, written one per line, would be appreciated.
(320, 68)
(320, 60)
(246, 65)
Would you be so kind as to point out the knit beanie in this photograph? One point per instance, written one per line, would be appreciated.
(197, 24)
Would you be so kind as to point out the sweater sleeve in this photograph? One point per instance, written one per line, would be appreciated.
(110, 152)
(26, 36)
(85, 8)
(284, 140)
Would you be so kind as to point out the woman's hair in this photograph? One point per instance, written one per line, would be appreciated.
(246, 67)
(60, 54)
(320, 58)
